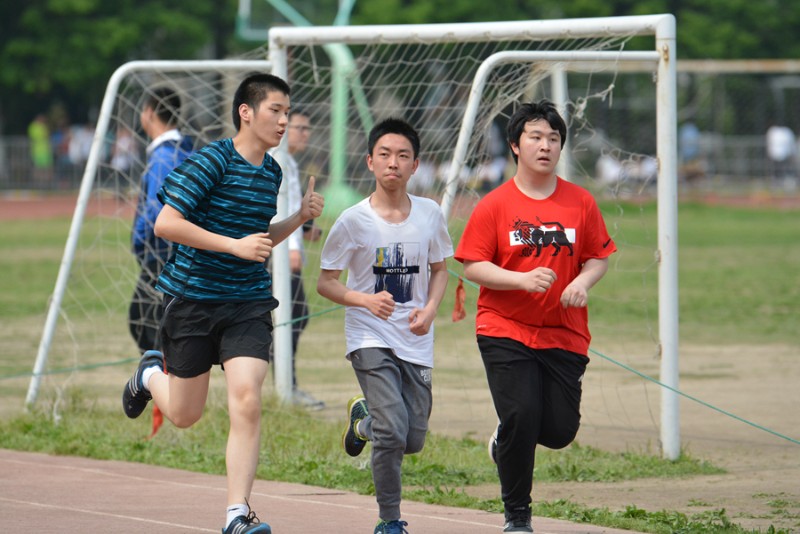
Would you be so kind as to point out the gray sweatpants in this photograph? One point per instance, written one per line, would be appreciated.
(399, 401)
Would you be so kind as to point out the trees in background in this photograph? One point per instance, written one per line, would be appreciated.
(62, 52)
(65, 50)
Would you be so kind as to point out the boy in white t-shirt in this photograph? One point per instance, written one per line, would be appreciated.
(394, 246)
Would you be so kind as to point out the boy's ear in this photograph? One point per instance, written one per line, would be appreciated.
(244, 112)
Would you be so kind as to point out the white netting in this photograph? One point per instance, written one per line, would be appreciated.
(428, 85)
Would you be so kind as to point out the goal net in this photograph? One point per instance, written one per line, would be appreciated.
(447, 81)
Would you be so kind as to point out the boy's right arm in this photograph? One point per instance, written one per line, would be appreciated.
(173, 226)
(329, 286)
(487, 274)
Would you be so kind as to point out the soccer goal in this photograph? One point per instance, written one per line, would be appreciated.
(458, 83)
(612, 78)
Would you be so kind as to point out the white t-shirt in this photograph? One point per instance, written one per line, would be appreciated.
(780, 143)
(379, 256)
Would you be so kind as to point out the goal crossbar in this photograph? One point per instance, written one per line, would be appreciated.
(658, 25)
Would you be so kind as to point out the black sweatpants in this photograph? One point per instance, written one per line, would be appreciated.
(145, 310)
(537, 397)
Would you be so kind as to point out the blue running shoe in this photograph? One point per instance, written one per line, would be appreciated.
(391, 527)
(352, 441)
(135, 397)
(249, 524)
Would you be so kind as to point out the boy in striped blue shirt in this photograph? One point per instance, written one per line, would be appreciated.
(218, 206)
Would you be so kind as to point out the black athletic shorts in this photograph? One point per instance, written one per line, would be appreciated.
(197, 335)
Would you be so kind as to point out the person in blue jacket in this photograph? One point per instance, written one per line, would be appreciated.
(167, 149)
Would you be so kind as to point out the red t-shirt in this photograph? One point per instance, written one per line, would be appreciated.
(519, 233)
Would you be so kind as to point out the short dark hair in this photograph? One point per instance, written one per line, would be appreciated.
(544, 109)
(253, 90)
(165, 103)
(393, 126)
(298, 110)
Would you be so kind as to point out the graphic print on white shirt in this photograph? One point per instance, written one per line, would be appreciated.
(396, 268)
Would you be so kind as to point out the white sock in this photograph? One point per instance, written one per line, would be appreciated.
(360, 432)
(148, 373)
(234, 511)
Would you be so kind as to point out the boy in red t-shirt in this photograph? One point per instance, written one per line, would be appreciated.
(536, 245)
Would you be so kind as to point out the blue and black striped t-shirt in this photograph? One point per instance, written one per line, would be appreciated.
(220, 191)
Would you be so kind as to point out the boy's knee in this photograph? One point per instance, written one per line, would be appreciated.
(559, 440)
(414, 448)
(185, 420)
(248, 409)
(390, 440)
(415, 443)
(388, 436)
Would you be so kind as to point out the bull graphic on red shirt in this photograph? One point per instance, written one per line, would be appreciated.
(538, 236)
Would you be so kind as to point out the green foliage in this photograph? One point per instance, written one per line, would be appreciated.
(721, 29)
(587, 464)
(69, 48)
(634, 518)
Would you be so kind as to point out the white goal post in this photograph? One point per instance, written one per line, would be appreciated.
(662, 27)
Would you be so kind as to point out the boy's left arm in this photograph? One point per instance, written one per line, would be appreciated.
(421, 319)
(311, 208)
(576, 294)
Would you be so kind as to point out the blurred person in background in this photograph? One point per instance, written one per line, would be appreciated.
(167, 149)
(298, 134)
(41, 151)
(781, 150)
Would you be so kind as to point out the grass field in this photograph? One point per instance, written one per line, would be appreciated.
(739, 285)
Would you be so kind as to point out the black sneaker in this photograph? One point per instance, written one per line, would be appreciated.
(352, 441)
(518, 520)
(135, 397)
(249, 524)
(391, 527)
